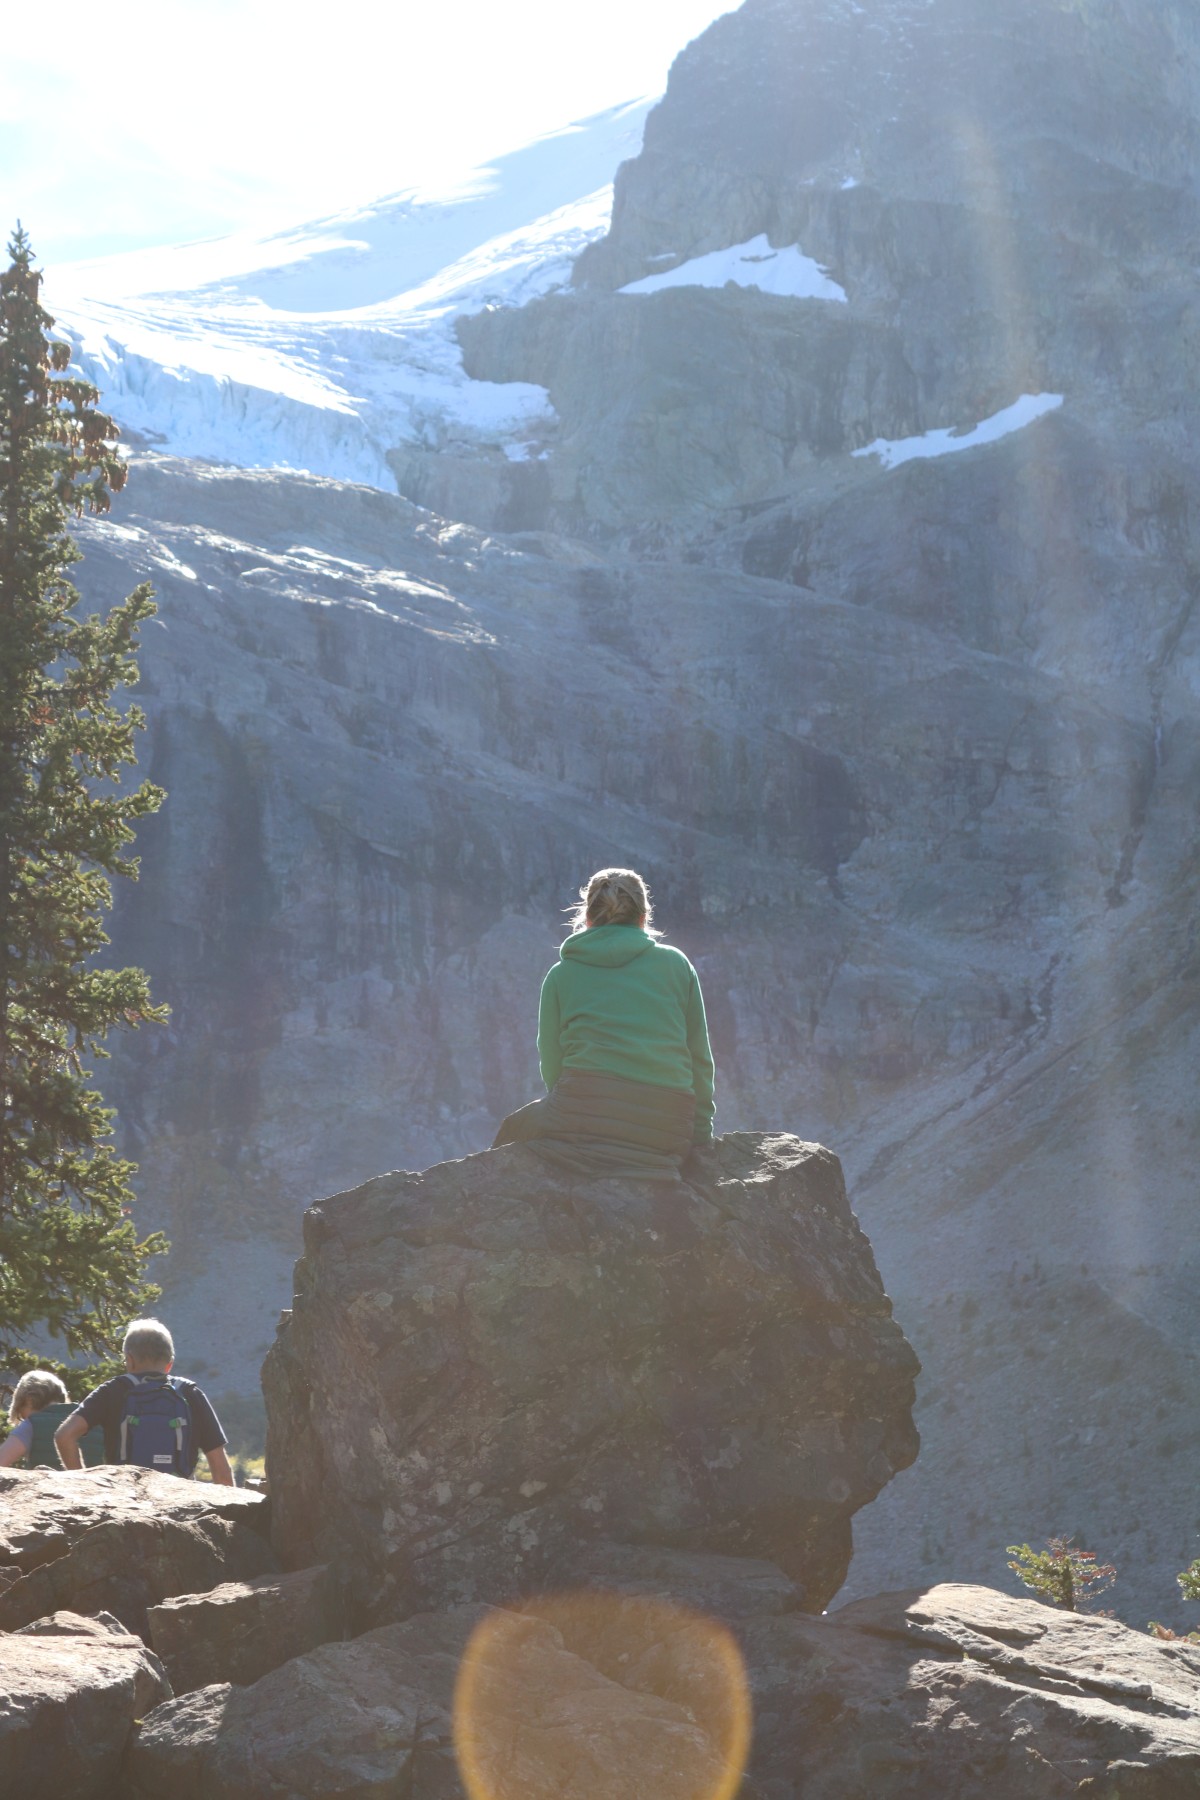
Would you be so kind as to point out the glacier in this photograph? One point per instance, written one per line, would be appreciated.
(323, 347)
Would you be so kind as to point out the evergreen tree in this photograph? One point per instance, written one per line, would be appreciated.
(1068, 1576)
(70, 1259)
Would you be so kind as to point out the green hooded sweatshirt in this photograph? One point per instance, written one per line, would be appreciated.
(619, 1003)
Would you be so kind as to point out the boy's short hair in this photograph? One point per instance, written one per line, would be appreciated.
(36, 1388)
(148, 1342)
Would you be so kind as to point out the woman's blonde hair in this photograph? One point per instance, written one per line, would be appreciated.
(36, 1389)
(614, 897)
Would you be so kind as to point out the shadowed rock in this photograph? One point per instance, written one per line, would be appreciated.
(120, 1539)
(241, 1630)
(357, 1720)
(600, 1698)
(491, 1369)
(126, 1565)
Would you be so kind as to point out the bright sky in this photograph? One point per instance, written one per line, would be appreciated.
(159, 121)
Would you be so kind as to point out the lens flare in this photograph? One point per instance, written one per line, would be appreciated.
(601, 1696)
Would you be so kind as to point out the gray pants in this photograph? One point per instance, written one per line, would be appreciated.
(593, 1124)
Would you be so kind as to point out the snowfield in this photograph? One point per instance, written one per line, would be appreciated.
(323, 347)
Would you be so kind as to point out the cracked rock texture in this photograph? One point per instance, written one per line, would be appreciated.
(491, 1372)
(953, 1691)
(42, 1516)
(359, 1720)
(910, 755)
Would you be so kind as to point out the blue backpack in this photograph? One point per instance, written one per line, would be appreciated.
(156, 1426)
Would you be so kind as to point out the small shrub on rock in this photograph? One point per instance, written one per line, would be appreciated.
(1062, 1573)
(1189, 1584)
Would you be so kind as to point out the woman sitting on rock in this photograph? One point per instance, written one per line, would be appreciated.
(622, 1042)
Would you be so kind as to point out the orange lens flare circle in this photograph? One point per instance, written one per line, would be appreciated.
(601, 1696)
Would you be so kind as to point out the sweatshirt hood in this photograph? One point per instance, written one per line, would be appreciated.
(607, 946)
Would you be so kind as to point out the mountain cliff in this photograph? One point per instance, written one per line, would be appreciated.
(849, 591)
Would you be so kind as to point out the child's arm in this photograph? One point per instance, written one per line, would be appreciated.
(15, 1445)
(218, 1467)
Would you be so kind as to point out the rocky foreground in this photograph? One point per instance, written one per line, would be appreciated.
(592, 1451)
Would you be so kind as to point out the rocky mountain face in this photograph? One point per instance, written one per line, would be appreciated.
(864, 625)
(1004, 196)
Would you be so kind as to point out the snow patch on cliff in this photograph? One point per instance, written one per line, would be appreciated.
(894, 451)
(786, 272)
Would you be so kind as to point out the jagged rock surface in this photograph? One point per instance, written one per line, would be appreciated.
(70, 1690)
(956, 1691)
(965, 1693)
(490, 1368)
(118, 1540)
(42, 1515)
(241, 1630)
(125, 1566)
(358, 1720)
(582, 1703)
(998, 226)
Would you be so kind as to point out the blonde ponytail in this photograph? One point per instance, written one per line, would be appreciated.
(614, 897)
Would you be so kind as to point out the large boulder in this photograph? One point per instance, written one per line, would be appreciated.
(594, 1696)
(121, 1539)
(70, 1691)
(358, 1720)
(958, 1692)
(491, 1367)
(43, 1511)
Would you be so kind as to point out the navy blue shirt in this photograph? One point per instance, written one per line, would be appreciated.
(105, 1405)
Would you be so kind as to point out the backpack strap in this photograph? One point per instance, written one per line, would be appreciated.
(126, 1419)
(177, 1424)
(183, 1423)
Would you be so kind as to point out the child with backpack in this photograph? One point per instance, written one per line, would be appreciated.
(39, 1406)
(149, 1417)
